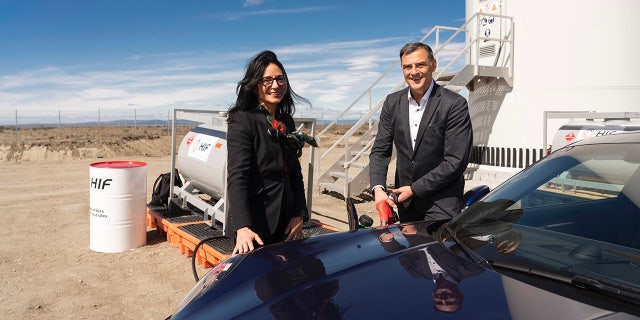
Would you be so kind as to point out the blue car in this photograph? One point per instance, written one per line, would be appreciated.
(559, 240)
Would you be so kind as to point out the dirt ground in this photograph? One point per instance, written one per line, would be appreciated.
(47, 269)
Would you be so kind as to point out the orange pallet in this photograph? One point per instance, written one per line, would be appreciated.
(154, 221)
(164, 220)
(185, 230)
(211, 252)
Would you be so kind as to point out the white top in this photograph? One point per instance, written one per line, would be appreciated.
(416, 110)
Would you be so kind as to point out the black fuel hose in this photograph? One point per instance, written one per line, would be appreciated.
(195, 250)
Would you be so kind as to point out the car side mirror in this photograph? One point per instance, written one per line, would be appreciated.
(474, 194)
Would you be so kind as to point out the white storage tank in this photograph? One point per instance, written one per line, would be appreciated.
(202, 159)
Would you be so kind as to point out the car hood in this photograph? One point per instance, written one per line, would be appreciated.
(370, 273)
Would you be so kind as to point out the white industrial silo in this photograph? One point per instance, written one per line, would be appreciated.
(569, 56)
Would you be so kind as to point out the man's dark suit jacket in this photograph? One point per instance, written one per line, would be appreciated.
(415, 262)
(258, 189)
(434, 170)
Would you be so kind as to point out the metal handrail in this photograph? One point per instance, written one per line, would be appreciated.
(368, 90)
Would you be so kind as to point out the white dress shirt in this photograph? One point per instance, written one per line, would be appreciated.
(416, 110)
(436, 269)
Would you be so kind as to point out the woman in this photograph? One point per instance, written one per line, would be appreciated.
(265, 190)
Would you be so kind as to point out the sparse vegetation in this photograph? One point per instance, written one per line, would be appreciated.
(71, 142)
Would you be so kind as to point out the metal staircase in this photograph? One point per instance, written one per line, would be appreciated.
(482, 57)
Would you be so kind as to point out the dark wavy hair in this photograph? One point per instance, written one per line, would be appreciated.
(247, 87)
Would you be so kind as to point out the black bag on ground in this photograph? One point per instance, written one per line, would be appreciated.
(161, 189)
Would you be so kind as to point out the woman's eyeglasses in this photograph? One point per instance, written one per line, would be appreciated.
(268, 81)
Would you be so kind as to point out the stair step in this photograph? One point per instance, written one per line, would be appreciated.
(332, 187)
(365, 142)
(359, 165)
(363, 155)
(340, 175)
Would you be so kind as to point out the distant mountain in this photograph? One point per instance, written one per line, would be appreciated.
(112, 123)
(127, 122)
(137, 123)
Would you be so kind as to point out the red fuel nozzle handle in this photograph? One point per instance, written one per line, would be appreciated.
(384, 213)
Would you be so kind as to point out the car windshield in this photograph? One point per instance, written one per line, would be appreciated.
(575, 213)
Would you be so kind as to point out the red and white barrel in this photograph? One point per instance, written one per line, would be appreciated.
(117, 205)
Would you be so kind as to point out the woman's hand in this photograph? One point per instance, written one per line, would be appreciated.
(294, 229)
(244, 241)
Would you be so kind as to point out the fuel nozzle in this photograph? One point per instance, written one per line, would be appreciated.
(385, 212)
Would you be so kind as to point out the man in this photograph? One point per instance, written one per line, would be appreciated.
(431, 130)
(432, 262)
(435, 263)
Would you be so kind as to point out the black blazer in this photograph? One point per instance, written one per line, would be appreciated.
(435, 169)
(259, 192)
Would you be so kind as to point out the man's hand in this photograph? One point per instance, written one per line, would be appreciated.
(403, 193)
(386, 237)
(380, 195)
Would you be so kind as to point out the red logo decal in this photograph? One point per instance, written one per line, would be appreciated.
(189, 140)
(569, 136)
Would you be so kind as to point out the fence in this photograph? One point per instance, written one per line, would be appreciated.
(505, 157)
(47, 126)
(44, 126)
(93, 115)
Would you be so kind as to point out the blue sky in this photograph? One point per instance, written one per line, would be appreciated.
(76, 57)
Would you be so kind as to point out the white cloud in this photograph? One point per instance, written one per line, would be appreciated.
(251, 3)
(332, 75)
(240, 15)
(93, 94)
